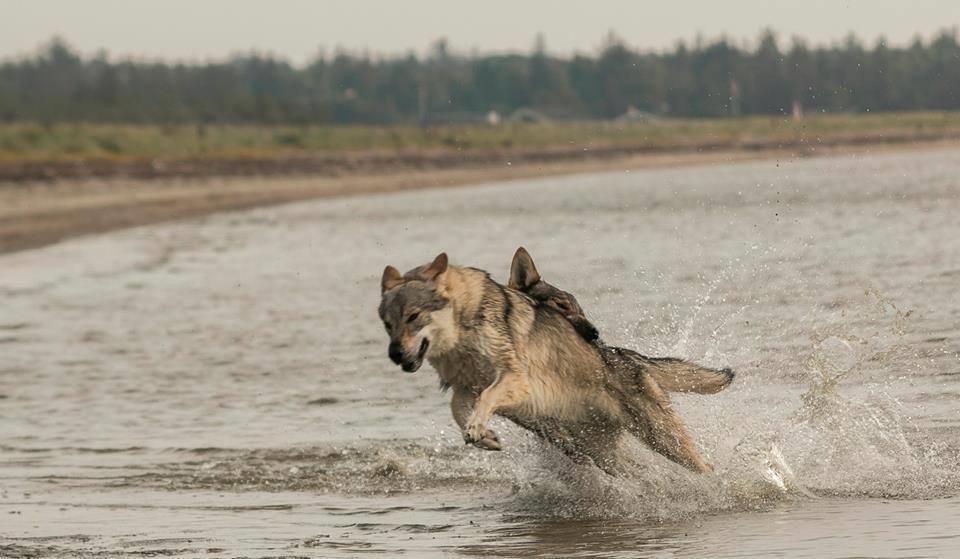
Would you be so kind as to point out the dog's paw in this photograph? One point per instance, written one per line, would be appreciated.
(490, 441)
(481, 437)
(473, 433)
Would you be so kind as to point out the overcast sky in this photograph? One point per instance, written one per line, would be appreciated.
(295, 29)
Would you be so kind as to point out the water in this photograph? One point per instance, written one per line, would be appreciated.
(220, 387)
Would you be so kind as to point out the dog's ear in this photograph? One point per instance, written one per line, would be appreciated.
(390, 279)
(436, 268)
(523, 273)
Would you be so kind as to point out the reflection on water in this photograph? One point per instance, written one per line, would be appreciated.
(220, 387)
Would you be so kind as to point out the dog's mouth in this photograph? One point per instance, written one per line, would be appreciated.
(413, 366)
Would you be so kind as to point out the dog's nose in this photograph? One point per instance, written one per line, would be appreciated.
(394, 352)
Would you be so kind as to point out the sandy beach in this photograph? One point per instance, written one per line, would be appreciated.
(34, 212)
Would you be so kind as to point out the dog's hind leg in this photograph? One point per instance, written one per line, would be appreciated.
(654, 421)
(601, 444)
(552, 433)
(462, 405)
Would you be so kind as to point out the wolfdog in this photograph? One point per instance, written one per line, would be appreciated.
(501, 352)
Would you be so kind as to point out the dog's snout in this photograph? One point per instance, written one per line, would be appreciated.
(395, 353)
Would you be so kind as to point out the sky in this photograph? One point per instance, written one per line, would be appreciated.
(198, 30)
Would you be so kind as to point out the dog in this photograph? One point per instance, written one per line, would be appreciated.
(500, 352)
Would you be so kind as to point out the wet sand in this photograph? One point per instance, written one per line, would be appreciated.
(219, 386)
(36, 213)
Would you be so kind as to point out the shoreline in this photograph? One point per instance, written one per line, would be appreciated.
(377, 160)
(38, 213)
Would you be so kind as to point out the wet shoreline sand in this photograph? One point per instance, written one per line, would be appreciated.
(37, 213)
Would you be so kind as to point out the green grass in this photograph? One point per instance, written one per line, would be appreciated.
(73, 141)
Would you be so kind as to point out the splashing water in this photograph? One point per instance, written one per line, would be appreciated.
(819, 442)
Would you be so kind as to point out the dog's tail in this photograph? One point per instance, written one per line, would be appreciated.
(677, 375)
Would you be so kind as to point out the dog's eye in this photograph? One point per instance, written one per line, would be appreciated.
(387, 325)
(413, 317)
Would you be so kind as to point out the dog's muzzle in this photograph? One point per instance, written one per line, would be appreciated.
(410, 365)
(395, 353)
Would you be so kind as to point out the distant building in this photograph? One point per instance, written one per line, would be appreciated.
(634, 114)
(797, 110)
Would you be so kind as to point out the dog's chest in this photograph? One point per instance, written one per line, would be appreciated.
(465, 369)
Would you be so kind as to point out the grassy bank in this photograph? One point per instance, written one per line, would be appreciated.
(69, 142)
(50, 200)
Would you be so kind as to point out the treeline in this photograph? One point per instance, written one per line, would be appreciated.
(701, 80)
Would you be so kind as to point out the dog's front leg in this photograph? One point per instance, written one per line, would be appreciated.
(509, 390)
(462, 405)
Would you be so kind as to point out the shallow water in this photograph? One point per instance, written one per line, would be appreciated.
(220, 387)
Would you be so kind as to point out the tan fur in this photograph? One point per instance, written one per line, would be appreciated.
(528, 381)
(675, 375)
(504, 355)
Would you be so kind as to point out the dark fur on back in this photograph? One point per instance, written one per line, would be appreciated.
(525, 278)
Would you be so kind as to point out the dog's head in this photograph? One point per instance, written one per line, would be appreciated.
(525, 278)
(413, 311)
